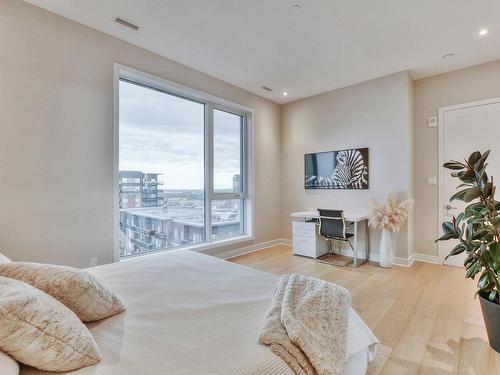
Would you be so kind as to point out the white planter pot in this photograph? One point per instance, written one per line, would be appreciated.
(386, 253)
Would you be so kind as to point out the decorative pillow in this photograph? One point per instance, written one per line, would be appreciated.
(77, 289)
(4, 259)
(8, 366)
(41, 332)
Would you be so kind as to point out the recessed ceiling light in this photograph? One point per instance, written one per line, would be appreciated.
(296, 8)
(483, 32)
(285, 93)
(448, 57)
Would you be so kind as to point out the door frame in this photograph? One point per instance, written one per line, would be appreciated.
(441, 199)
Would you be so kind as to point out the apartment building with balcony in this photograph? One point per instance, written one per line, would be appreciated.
(149, 229)
(139, 189)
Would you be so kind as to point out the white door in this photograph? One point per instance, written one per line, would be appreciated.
(464, 129)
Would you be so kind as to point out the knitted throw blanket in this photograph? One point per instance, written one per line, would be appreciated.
(306, 325)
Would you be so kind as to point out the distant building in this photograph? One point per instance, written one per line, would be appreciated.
(141, 231)
(148, 229)
(153, 219)
(139, 189)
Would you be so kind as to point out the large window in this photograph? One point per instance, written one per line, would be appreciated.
(182, 169)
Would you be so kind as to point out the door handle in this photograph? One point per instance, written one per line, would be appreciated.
(448, 207)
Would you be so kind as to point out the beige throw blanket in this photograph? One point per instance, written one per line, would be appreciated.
(306, 325)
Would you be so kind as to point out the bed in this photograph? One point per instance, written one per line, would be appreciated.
(189, 313)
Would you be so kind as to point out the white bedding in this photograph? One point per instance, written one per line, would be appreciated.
(189, 313)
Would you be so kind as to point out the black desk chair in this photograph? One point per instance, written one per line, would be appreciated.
(332, 227)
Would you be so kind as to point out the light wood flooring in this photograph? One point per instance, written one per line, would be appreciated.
(425, 316)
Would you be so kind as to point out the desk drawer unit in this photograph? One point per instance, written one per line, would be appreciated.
(306, 241)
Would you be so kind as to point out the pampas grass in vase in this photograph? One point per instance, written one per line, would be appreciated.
(389, 217)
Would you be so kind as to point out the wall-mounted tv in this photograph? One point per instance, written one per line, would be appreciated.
(343, 169)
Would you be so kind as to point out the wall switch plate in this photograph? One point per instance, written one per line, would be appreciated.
(432, 180)
(93, 262)
(432, 122)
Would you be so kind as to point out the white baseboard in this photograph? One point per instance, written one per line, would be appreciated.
(252, 248)
(417, 257)
(427, 258)
(403, 262)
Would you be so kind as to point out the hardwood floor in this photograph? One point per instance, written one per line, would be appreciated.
(425, 316)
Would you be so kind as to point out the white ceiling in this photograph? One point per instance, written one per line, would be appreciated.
(327, 45)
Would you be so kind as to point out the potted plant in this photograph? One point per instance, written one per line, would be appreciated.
(389, 217)
(477, 230)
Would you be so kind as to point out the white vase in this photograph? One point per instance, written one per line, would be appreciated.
(386, 253)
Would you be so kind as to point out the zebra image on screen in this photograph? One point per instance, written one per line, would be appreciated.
(345, 169)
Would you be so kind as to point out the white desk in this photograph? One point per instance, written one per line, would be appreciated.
(308, 242)
(315, 215)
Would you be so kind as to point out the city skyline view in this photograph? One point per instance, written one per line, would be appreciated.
(153, 219)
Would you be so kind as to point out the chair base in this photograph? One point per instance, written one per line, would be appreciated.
(340, 260)
(335, 259)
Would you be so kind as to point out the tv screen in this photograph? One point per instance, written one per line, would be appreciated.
(343, 169)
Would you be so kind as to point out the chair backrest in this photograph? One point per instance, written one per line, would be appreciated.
(331, 223)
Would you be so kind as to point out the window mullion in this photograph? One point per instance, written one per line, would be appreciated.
(209, 169)
(243, 164)
(244, 173)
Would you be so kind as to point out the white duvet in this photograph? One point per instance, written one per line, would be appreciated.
(189, 313)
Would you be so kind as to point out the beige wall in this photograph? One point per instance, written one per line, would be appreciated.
(462, 86)
(375, 114)
(56, 145)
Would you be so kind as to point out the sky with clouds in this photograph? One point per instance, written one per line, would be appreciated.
(161, 133)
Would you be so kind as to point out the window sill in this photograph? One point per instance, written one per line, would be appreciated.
(220, 243)
(198, 248)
